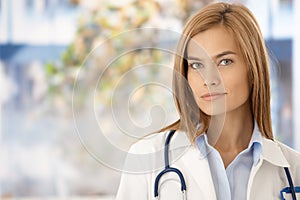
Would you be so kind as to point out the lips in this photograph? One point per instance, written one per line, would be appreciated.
(213, 96)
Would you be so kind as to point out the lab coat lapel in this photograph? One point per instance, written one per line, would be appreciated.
(198, 167)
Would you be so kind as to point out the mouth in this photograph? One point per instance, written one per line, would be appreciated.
(213, 96)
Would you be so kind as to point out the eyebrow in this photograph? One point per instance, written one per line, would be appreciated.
(223, 54)
(216, 56)
(193, 58)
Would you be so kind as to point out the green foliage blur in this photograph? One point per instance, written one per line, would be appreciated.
(91, 46)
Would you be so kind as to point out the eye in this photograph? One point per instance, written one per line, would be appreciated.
(225, 62)
(196, 65)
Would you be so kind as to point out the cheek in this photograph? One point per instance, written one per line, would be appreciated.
(195, 82)
(237, 87)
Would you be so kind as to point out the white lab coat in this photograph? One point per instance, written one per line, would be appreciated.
(266, 179)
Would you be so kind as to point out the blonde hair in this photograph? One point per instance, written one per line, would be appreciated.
(241, 22)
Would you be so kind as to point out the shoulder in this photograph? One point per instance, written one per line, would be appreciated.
(280, 154)
(292, 156)
(147, 154)
(149, 143)
(156, 142)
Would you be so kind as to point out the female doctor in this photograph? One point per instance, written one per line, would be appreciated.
(221, 87)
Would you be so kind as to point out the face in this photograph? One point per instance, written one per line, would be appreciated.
(217, 72)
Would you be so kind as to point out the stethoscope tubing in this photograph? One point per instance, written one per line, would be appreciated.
(169, 169)
(292, 188)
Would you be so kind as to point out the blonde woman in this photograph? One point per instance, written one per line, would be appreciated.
(221, 87)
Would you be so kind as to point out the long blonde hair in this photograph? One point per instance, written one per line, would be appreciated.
(241, 22)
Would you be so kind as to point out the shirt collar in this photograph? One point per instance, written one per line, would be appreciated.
(202, 144)
(263, 148)
(266, 149)
(255, 143)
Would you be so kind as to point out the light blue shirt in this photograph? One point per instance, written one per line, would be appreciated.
(231, 183)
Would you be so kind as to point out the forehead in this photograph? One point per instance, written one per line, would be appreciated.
(211, 42)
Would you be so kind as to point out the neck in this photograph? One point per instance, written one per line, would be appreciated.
(231, 132)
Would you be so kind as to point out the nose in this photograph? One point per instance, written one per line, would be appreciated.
(209, 73)
(208, 83)
(211, 77)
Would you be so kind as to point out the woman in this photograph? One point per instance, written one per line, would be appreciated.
(222, 92)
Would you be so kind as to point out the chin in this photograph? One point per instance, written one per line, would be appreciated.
(217, 109)
(214, 113)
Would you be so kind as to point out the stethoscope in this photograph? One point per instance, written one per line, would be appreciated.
(289, 190)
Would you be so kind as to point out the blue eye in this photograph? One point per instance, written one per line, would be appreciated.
(196, 65)
(225, 62)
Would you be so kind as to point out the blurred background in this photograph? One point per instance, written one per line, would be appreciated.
(43, 44)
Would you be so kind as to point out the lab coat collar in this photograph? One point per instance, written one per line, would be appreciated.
(272, 153)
